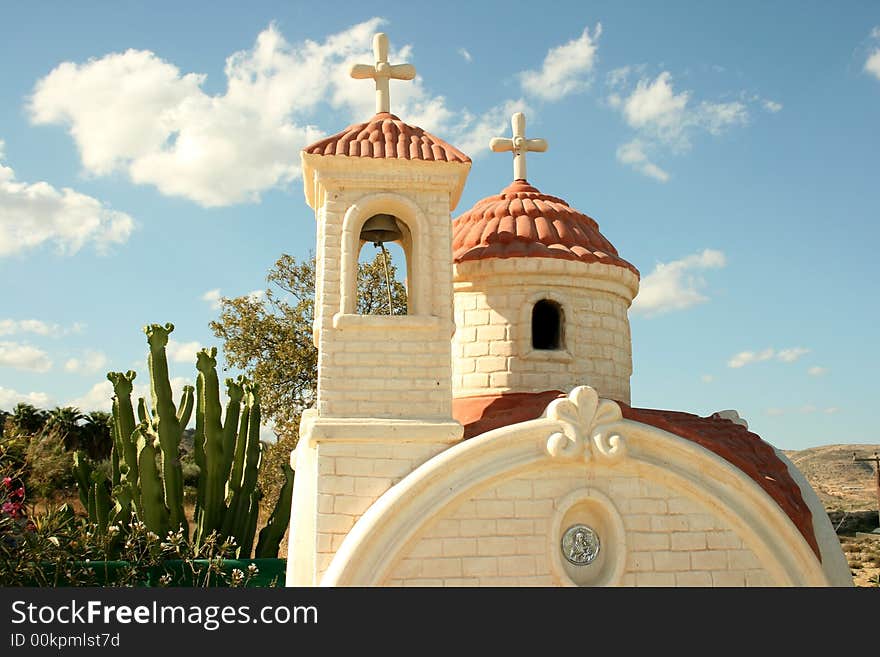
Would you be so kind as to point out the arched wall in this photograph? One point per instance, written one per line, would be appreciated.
(484, 510)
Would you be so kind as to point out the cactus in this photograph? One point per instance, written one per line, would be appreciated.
(93, 488)
(167, 422)
(147, 478)
(155, 514)
(273, 532)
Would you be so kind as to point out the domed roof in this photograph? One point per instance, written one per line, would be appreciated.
(385, 136)
(522, 222)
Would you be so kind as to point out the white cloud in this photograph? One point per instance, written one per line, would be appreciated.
(672, 286)
(872, 64)
(182, 352)
(633, 153)
(831, 410)
(664, 119)
(213, 298)
(817, 371)
(772, 106)
(775, 412)
(256, 295)
(566, 68)
(24, 357)
(792, 354)
(465, 54)
(89, 363)
(139, 114)
(789, 355)
(744, 358)
(33, 214)
(707, 378)
(807, 409)
(474, 132)
(135, 113)
(36, 326)
(99, 396)
(9, 398)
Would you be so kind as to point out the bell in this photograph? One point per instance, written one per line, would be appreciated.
(381, 228)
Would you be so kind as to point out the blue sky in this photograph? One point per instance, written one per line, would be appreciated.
(730, 151)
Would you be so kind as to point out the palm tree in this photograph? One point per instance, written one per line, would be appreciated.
(65, 422)
(95, 436)
(27, 419)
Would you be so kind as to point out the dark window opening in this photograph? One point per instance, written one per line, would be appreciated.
(547, 325)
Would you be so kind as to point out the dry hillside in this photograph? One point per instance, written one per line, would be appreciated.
(841, 484)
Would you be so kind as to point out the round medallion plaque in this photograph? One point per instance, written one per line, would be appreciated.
(580, 545)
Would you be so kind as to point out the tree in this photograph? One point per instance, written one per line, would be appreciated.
(65, 422)
(270, 338)
(27, 419)
(95, 435)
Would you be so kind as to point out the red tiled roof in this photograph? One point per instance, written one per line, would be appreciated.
(523, 222)
(732, 442)
(385, 136)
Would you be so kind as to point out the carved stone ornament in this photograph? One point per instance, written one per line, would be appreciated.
(586, 427)
(580, 545)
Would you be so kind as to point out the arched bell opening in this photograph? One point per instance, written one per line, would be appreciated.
(383, 266)
(548, 326)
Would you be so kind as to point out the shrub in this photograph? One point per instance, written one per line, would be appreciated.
(48, 466)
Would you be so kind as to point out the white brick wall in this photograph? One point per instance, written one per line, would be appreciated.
(492, 345)
(499, 537)
(354, 475)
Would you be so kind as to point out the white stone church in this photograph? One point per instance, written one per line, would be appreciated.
(486, 438)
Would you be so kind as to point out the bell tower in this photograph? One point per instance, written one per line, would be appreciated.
(384, 398)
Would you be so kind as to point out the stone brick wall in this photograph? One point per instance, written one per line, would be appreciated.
(501, 536)
(351, 476)
(492, 350)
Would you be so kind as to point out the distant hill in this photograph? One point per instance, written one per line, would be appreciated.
(840, 484)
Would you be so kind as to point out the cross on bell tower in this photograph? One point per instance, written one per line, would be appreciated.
(519, 145)
(382, 72)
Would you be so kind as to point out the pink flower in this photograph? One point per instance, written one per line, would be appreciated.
(12, 508)
(7, 481)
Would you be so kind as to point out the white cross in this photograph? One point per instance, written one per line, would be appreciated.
(382, 72)
(518, 144)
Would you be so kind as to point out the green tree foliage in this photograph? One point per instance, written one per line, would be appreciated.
(270, 338)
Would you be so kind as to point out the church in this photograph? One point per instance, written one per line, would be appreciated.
(487, 437)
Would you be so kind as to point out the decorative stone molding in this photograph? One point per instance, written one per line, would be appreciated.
(587, 427)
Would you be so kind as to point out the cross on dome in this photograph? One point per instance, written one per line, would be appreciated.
(382, 72)
(518, 144)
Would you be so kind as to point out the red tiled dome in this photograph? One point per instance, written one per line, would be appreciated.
(523, 222)
(732, 442)
(385, 136)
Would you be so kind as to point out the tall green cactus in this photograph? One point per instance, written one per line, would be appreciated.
(273, 532)
(147, 478)
(168, 423)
